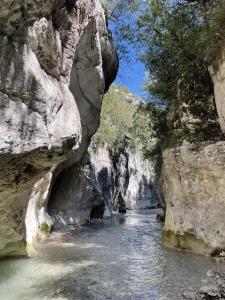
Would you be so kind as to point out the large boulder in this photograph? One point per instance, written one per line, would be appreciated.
(56, 61)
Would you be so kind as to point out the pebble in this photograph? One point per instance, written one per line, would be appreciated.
(188, 295)
(204, 289)
(210, 273)
(205, 281)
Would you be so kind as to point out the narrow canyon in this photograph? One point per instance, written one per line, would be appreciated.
(106, 193)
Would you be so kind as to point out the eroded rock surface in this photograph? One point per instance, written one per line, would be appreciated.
(101, 184)
(138, 191)
(193, 176)
(217, 70)
(56, 61)
(194, 188)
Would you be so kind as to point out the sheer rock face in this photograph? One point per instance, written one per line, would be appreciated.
(56, 60)
(217, 71)
(194, 189)
(193, 181)
(134, 181)
(85, 190)
(73, 197)
(101, 185)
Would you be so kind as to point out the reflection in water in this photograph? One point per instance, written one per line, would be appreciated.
(122, 259)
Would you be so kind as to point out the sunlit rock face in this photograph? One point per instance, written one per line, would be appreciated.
(136, 180)
(217, 70)
(56, 61)
(193, 174)
(103, 176)
(194, 188)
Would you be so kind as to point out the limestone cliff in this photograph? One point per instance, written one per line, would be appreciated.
(56, 62)
(101, 185)
(134, 181)
(193, 180)
(193, 177)
(114, 175)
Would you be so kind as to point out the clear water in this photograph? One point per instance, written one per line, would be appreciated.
(122, 259)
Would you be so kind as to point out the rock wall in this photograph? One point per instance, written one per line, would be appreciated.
(134, 178)
(194, 187)
(101, 184)
(193, 182)
(125, 179)
(217, 71)
(73, 197)
(56, 61)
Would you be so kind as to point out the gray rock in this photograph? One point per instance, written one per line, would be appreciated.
(217, 72)
(72, 198)
(193, 185)
(189, 295)
(50, 52)
(210, 273)
(100, 186)
(211, 291)
(205, 289)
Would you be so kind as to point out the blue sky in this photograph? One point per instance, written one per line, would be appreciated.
(131, 73)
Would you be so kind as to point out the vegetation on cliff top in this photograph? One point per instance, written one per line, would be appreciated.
(126, 119)
(179, 40)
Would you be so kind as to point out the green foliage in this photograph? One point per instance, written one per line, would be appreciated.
(124, 123)
(45, 228)
(149, 129)
(116, 117)
(179, 39)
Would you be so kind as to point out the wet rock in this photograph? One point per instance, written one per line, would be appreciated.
(210, 292)
(189, 295)
(160, 216)
(204, 289)
(210, 273)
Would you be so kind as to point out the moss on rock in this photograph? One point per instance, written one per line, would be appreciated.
(45, 228)
(16, 249)
(186, 241)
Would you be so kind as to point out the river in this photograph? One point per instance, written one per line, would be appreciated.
(118, 259)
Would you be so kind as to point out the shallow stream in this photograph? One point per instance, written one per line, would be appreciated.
(122, 259)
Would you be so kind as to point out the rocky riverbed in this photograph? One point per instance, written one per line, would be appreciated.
(213, 288)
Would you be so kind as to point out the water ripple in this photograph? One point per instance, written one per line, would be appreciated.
(117, 260)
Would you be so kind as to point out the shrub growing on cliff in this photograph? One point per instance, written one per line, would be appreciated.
(116, 118)
(179, 40)
(126, 121)
(149, 129)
